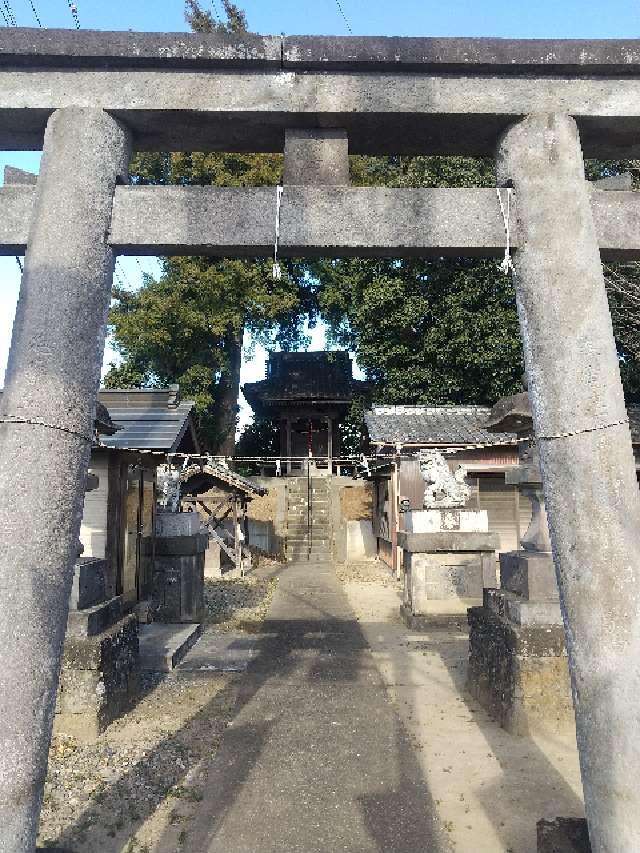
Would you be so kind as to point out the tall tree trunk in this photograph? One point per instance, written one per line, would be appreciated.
(229, 390)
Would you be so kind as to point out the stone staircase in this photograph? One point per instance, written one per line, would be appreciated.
(308, 532)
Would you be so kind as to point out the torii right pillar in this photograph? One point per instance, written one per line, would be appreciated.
(589, 475)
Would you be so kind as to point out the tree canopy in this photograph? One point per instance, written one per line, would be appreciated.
(431, 330)
(188, 325)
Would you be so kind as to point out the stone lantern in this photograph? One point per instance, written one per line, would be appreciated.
(518, 665)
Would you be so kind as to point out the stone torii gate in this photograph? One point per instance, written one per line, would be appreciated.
(88, 98)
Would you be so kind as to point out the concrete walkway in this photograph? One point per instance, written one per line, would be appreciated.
(317, 758)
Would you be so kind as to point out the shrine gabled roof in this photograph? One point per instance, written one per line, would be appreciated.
(447, 425)
(308, 377)
(431, 425)
(149, 420)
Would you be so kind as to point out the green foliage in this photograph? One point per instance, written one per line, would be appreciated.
(441, 330)
(202, 21)
(259, 438)
(187, 327)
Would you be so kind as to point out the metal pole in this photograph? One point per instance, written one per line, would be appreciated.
(45, 429)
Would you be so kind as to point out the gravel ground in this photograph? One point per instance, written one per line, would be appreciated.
(374, 571)
(145, 771)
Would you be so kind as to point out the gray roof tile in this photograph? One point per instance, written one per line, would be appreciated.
(440, 425)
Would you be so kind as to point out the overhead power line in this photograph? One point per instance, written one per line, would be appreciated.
(346, 20)
(35, 12)
(9, 15)
(74, 12)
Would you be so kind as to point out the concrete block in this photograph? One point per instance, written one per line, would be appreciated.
(450, 541)
(316, 157)
(563, 835)
(162, 647)
(94, 620)
(444, 520)
(445, 576)
(88, 587)
(212, 561)
(519, 674)
(361, 543)
(177, 524)
(98, 679)
(528, 574)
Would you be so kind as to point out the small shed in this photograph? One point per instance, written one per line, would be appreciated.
(221, 497)
(118, 516)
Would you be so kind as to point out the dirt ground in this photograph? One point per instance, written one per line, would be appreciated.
(490, 787)
(145, 770)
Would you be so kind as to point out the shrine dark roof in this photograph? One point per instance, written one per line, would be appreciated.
(150, 419)
(447, 425)
(304, 377)
(431, 425)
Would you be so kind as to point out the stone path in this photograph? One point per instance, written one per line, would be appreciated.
(317, 758)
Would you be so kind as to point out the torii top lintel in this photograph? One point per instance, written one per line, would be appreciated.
(184, 91)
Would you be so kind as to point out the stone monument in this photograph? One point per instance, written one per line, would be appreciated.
(518, 666)
(178, 567)
(448, 552)
(99, 674)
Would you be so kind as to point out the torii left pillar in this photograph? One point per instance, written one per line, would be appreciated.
(46, 425)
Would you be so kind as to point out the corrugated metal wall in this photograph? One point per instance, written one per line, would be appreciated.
(93, 530)
(499, 501)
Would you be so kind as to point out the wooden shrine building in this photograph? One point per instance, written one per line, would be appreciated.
(308, 394)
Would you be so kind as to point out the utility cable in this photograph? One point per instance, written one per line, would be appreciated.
(35, 12)
(10, 15)
(346, 20)
(74, 12)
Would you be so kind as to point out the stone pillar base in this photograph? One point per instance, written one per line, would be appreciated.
(100, 662)
(563, 835)
(518, 672)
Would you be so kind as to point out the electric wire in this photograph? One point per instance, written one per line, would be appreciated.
(346, 20)
(215, 11)
(123, 273)
(10, 15)
(74, 13)
(35, 12)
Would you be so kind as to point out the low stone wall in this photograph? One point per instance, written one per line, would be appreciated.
(98, 679)
(519, 674)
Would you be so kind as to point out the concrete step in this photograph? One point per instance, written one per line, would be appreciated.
(163, 646)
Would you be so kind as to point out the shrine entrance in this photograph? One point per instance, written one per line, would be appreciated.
(309, 394)
(88, 100)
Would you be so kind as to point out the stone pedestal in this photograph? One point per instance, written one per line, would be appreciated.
(178, 570)
(99, 674)
(445, 571)
(518, 668)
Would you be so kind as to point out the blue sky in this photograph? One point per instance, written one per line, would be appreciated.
(504, 18)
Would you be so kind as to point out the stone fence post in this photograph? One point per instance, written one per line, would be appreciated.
(46, 427)
(589, 475)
